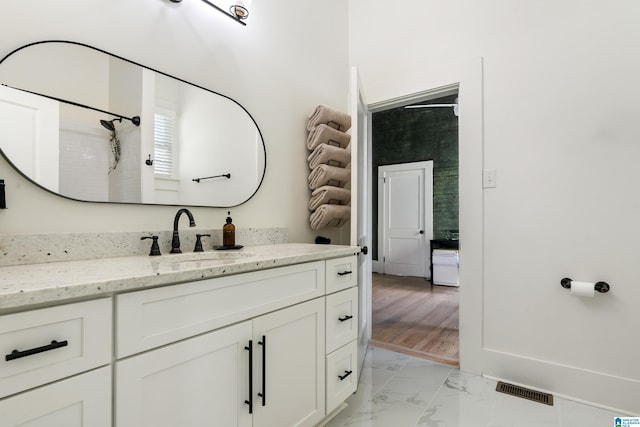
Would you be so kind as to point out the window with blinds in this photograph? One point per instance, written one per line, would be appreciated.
(164, 144)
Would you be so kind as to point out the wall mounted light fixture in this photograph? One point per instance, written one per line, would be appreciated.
(238, 10)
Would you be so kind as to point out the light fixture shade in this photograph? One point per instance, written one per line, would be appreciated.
(240, 8)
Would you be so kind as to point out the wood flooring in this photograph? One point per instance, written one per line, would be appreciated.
(412, 317)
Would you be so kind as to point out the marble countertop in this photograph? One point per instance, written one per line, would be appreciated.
(36, 284)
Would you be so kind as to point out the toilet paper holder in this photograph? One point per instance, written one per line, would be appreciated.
(602, 287)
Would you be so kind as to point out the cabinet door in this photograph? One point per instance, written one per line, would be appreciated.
(290, 377)
(203, 381)
(81, 401)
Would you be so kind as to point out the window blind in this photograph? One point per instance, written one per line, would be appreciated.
(163, 144)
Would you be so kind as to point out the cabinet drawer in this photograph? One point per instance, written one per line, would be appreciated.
(342, 375)
(154, 317)
(341, 273)
(30, 357)
(342, 318)
(83, 400)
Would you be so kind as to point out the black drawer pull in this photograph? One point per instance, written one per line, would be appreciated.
(16, 354)
(249, 401)
(346, 374)
(345, 318)
(344, 273)
(263, 395)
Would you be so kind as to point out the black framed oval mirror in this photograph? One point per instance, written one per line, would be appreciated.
(92, 126)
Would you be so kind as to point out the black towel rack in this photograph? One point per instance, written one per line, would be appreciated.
(602, 287)
(225, 175)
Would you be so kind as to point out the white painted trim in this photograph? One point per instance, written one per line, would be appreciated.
(375, 266)
(426, 95)
(467, 78)
(595, 388)
(471, 220)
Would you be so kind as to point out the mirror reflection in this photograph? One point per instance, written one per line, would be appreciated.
(91, 126)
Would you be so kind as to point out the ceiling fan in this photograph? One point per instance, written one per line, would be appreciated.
(454, 105)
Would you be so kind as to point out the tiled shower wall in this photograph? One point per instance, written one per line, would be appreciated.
(412, 135)
(85, 157)
(84, 163)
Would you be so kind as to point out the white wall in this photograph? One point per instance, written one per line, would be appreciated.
(279, 68)
(560, 120)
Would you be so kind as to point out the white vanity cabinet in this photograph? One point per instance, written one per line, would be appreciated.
(208, 380)
(271, 347)
(268, 370)
(44, 355)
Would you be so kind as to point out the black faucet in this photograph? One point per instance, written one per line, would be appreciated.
(198, 247)
(155, 249)
(175, 242)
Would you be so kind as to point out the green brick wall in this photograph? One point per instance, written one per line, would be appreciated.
(411, 135)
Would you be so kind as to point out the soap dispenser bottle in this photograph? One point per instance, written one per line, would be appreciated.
(229, 232)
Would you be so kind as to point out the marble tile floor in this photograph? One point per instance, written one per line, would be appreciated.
(397, 390)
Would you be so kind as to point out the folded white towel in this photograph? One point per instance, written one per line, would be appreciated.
(327, 115)
(328, 194)
(328, 175)
(323, 134)
(330, 216)
(329, 155)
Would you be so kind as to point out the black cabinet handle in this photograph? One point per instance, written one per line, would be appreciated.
(346, 374)
(345, 318)
(263, 395)
(16, 354)
(344, 273)
(250, 401)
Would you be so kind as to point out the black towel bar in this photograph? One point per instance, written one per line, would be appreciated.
(602, 287)
(224, 175)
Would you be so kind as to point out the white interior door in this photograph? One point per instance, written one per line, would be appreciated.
(361, 207)
(406, 194)
(29, 135)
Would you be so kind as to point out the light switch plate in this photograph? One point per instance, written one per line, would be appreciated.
(489, 178)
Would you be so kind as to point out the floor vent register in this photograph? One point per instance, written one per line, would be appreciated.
(525, 393)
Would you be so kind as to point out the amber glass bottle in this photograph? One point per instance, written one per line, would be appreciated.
(229, 232)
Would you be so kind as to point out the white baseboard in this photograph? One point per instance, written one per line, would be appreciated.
(375, 266)
(616, 394)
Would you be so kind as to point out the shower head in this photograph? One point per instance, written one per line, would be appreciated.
(108, 125)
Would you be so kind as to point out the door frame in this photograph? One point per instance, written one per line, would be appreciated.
(467, 79)
(427, 220)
